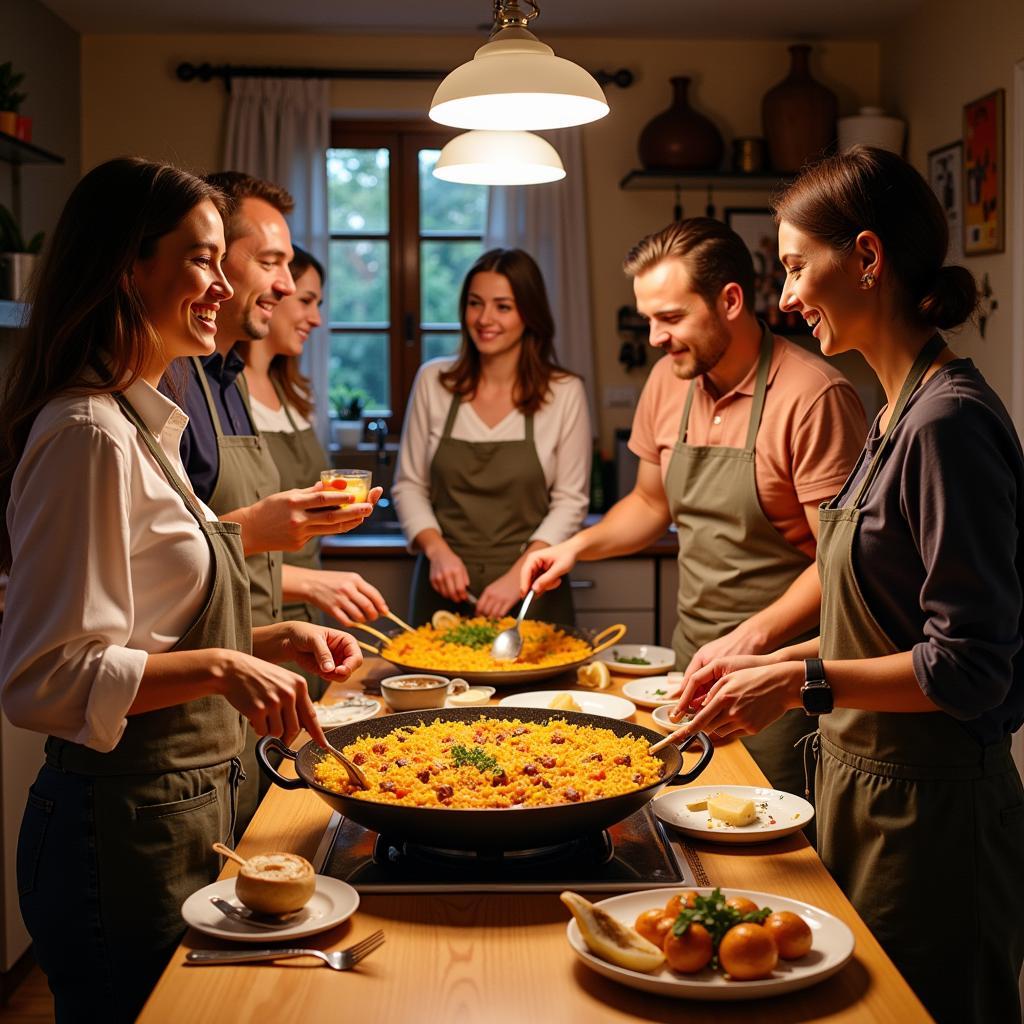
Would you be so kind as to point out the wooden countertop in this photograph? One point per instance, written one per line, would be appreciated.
(504, 959)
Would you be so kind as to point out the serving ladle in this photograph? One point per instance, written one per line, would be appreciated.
(509, 642)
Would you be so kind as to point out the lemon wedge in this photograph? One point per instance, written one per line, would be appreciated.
(594, 676)
(610, 939)
(444, 619)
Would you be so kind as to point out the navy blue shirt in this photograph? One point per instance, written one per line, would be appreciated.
(199, 452)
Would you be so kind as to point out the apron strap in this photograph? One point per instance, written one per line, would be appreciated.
(205, 385)
(453, 411)
(284, 404)
(529, 428)
(760, 387)
(243, 390)
(158, 453)
(924, 359)
(684, 423)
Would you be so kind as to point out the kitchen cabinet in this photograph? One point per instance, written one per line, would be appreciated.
(618, 590)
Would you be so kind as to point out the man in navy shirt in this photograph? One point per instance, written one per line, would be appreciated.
(256, 265)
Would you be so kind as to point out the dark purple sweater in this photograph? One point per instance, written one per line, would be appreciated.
(939, 555)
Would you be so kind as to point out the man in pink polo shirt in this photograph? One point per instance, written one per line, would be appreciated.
(741, 435)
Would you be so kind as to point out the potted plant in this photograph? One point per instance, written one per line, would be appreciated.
(348, 404)
(17, 257)
(10, 98)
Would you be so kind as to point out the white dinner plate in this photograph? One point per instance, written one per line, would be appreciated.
(778, 814)
(332, 902)
(659, 659)
(345, 712)
(605, 704)
(649, 692)
(832, 948)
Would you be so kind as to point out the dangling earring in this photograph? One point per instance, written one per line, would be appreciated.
(867, 281)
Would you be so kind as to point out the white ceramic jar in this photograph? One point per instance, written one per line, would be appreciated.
(872, 127)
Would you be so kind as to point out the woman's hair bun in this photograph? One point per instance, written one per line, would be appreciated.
(951, 300)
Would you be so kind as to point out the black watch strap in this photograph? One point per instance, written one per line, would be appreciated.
(816, 693)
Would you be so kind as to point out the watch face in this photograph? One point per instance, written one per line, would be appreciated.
(817, 698)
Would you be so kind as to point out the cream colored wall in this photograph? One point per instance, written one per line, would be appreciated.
(131, 102)
(941, 58)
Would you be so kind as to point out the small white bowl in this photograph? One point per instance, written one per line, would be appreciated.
(664, 723)
(403, 697)
(657, 659)
(474, 697)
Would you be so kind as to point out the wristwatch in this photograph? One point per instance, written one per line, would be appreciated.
(815, 693)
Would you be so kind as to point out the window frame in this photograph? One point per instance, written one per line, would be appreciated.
(404, 139)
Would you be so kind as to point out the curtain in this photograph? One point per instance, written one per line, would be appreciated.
(550, 223)
(279, 129)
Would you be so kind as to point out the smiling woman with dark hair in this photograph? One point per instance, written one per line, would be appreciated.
(127, 636)
(495, 453)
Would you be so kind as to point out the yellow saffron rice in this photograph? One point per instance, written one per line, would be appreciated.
(494, 763)
(544, 646)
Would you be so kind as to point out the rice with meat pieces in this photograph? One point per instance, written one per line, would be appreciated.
(544, 646)
(493, 763)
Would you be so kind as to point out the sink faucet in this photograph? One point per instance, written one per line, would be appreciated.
(378, 431)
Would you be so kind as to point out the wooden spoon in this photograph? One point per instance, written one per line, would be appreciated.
(230, 854)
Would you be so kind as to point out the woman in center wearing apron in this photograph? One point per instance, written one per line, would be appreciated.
(495, 453)
(917, 678)
(127, 638)
(282, 409)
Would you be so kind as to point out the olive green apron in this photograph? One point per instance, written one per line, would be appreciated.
(488, 497)
(167, 790)
(299, 458)
(921, 825)
(732, 562)
(246, 473)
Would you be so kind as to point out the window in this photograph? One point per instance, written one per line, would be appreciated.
(401, 243)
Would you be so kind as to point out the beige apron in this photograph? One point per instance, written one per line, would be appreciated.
(299, 458)
(921, 826)
(488, 497)
(246, 473)
(166, 791)
(732, 561)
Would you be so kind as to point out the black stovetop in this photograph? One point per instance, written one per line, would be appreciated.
(636, 853)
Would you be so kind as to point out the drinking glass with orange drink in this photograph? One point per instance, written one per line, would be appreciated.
(354, 482)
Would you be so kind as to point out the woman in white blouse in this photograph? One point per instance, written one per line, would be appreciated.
(127, 636)
(495, 453)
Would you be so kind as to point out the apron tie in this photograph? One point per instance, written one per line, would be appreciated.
(811, 744)
(236, 776)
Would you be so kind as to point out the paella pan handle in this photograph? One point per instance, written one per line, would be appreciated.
(612, 635)
(273, 743)
(376, 633)
(706, 754)
(369, 648)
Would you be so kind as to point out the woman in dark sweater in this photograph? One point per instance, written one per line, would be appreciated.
(918, 676)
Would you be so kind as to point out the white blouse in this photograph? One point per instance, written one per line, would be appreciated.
(109, 565)
(275, 421)
(561, 434)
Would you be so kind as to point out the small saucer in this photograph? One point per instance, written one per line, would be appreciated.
(332, 902)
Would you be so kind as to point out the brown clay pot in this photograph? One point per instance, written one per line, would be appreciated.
(799, 116)
(680, 139)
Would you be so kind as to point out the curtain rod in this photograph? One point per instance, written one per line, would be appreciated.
(205, 72)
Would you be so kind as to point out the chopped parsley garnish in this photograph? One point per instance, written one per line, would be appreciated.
(712, 912)
(471, 635)
(475, 756)
(660, 693)
(629, 661)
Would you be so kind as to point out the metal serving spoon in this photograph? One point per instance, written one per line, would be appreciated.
(508, 643)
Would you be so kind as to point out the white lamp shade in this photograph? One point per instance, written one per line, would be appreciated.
(517, 85)
(499, 158)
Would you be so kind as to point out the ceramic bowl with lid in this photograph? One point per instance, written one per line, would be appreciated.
(417, 691)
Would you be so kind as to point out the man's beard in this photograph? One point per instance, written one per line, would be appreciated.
(254, 331)
(708, 358)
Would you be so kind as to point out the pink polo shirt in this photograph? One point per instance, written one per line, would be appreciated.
(812, 430)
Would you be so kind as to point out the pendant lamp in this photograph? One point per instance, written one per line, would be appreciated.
(499, 158)
(516, 83)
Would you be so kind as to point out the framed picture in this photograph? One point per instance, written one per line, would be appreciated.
(983, 190)
(756, 226)
(945, 168)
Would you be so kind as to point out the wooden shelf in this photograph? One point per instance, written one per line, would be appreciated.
(652, 181)
(14, 151)
(13, 314)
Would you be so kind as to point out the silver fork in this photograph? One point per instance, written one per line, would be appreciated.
(340, 960)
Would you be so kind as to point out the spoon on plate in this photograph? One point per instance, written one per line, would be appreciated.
(509, 642)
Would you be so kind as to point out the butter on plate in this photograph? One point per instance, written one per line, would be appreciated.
(732, 810)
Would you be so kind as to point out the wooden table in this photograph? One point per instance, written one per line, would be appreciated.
(504, 959)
